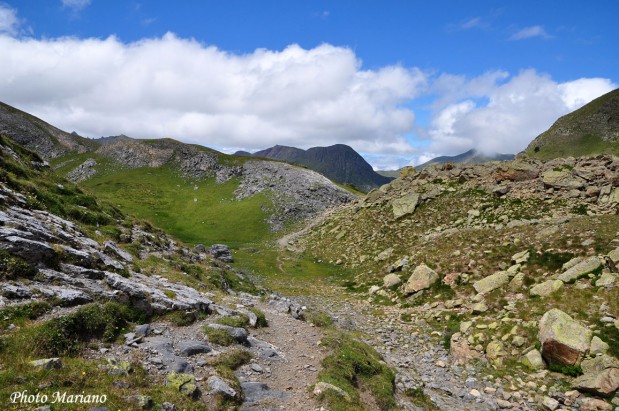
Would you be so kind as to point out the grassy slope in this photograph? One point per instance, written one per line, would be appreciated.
(166, 199)
(576, 147)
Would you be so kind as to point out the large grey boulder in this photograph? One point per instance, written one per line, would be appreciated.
(405, 205)
(221, 252)
(601, 376)
(580, 269)
(563, 179)
(391, 280)
(564, 340)
(220, 387)
(546, 288)
(189, 348)
(422, 277)
(491, 282)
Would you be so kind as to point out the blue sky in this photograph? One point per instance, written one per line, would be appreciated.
(400, 81)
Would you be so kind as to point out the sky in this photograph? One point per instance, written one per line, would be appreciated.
(401, 81)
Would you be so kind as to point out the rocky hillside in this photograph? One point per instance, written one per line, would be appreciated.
(270, 192)
(592, 129)
(469, 157)
(511, 268)
(38, 136)
(339, 162)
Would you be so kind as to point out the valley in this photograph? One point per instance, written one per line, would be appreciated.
(175, 277)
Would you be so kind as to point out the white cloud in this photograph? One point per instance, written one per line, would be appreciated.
(471, 23)
(511, 114)
(530, 32)
(75, 4)
(173, 87)
(9, 23)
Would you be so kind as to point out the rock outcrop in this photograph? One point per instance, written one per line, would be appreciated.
(564, 341)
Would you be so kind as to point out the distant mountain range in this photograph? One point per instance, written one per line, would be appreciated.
(339, 163)
(590, 130)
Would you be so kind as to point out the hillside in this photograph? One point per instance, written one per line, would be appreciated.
(477, 257)
(339, 163)
(590, 130)
(470, 157)
(198, 193)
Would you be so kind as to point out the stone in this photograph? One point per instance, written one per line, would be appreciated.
(550, 403)
(563, 179)
(220, 387)
(503, 404)
(47, 363)
(480, 308)
(564, 340)
(533, 360)
(594, 404)
(494, 350)
(391, 280)
(606, 280)
(614, 255)
(491, 282)
(373, 289)
(598, 346)
(322, 387)
(604, 383)
(546, 288)
(423, 277)
(141, 330)
(184, 383)
(460, 350)
(580, 269)
(189, 348)
(111, 246)
(516, 283)
(404, 205)
(599, 364)
(521, 257)
(117, 366)
(516, 171)
(221, 252)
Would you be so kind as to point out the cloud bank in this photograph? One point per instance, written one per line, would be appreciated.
(183, 89)
(173, 87)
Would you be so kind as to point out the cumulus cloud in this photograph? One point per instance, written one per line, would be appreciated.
(9, 23)
(75, 4)
(530, 32)
(174, 87)
(505, 116)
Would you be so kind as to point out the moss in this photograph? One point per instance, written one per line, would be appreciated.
(217, 336)
(261, 317)
(233, 359)
(240, 321)
(351, 364)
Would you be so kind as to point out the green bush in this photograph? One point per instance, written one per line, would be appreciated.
(569, 370)
(233, 359)
(240, 321)
(217, 336)
(262, 319)
(67, 335)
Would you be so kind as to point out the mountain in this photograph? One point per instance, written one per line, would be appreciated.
(339, 162)
(470, 157)
(200, 194)
(39, 136)
(592, 129)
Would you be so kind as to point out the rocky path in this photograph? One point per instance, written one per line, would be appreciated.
(289, 374)
(420, 359)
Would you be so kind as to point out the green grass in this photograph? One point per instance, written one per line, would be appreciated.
(584, 145)
(219, 337)
(353, 365)
(240, 321)
(262, 319)
(233, 359)
(166, 199)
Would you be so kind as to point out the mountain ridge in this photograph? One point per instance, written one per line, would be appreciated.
(339, 162)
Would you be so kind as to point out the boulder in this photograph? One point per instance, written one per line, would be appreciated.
(563, 179)
(604, 383)
(47, 363)
(391, 280)
(404, 205)
(516, 171)
(220, 387)
(521, 257)
(580, 269)
(546, 288)
(598, 346)
(494, 350)
(422, 277)
(221, 252)
(185, 383)
(564, 340)
(491, 282)
(533, 360)
(189, 348)
(607, 280)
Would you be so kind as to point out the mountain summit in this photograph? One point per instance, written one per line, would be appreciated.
(592, 129)
(338, 162)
